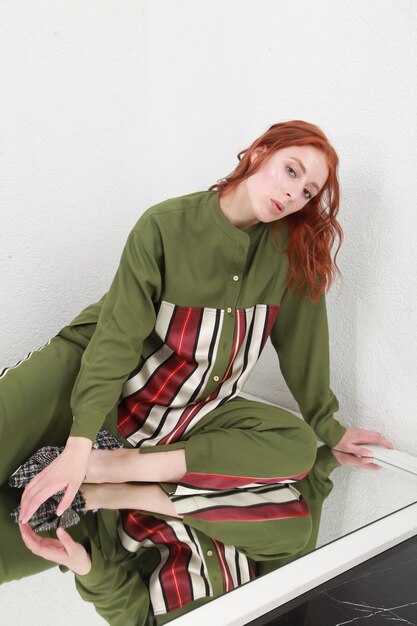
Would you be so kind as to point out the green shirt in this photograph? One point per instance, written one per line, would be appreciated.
(184, 322)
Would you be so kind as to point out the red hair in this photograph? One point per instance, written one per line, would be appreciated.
(314, 229)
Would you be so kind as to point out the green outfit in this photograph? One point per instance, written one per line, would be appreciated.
(185, 319)
(166, 351)
(162, 358)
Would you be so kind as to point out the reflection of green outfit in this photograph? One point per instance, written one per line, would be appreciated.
(118, 582)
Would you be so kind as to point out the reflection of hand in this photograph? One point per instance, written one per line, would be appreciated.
(65, 473)
(354, 438)
(359, 462)
(62, 550)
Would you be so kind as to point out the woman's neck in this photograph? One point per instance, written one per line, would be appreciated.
(235, 207)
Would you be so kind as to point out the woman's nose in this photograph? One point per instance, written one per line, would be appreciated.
(294, 192)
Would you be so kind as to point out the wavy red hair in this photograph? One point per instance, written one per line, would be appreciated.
(313, 230)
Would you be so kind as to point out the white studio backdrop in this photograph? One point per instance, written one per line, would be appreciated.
(108, 107)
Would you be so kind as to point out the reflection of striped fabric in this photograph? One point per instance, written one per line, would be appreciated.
(234, 566)
(182, 574)
(221, 482)
(246, 505)
(164, 399)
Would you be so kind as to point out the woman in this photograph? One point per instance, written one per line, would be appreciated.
(203, 281)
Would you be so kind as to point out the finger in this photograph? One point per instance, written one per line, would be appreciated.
(387, 444)
(33, 503)
(32, 541)
(26, 533)
(364, 452)
(366, 463)
(367, 436)
(370, 436)
(66, 540)
(69, 496)
(378, 438)
(32, 497)
(373, 466)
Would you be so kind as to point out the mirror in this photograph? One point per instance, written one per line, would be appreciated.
(340, 498)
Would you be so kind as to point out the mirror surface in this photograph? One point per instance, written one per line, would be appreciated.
(340, 495)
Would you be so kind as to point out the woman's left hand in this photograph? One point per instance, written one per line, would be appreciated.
(63, 550)
(354, 440)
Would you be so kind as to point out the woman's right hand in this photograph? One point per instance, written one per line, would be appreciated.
(65, 473)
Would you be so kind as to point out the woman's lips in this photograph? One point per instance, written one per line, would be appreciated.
(277, 206)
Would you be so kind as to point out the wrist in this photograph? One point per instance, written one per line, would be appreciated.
(78, 443)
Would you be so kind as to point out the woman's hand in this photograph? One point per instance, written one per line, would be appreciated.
(65, 473)
(62, 550)
(357, 462)
(355, 438)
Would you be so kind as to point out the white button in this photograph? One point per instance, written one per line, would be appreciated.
(216, 378)
(229, 310)
(209, 552)
(235, 277)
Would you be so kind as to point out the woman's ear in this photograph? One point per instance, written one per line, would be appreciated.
(256, 153)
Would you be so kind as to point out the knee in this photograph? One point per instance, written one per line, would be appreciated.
(308, 446)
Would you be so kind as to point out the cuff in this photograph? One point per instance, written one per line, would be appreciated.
(86, 425)
(330, 432)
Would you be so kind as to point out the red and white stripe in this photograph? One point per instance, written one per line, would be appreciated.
(220, 482)
(26, 358)
(166, 398)
(234, 566)
(182, 575)
(255, 504)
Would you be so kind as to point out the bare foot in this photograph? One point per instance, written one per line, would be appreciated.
(130, 465)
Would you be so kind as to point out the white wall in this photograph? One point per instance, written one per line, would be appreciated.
(109, 107)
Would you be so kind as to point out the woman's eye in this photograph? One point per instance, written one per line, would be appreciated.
(291, 170)
(307, 194)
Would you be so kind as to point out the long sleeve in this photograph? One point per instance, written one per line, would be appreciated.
(127, 317)
(301, 339)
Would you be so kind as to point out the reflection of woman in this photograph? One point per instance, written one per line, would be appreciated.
(142, 566)
(203, 281)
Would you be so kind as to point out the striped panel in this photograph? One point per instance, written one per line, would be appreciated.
(163, 400)
(4, 371)
(182, 574)
(222, 482)
(234, 566)
(244, 505)
(178, 372)
(255, 513)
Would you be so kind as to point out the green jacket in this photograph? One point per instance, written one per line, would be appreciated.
(192, 304)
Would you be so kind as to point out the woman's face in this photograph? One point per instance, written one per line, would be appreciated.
(285, 182)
